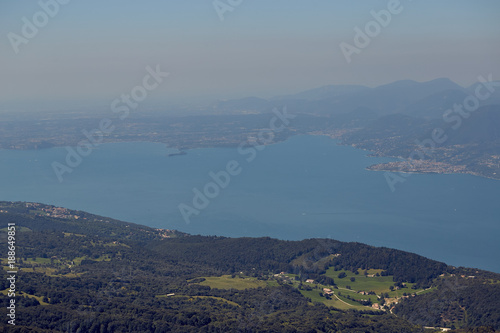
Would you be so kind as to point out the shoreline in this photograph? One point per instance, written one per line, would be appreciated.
(432, 172)
(383, 167)
(81, 215)
(183, 150)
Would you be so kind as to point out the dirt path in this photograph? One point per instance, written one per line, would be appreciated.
(342, 300)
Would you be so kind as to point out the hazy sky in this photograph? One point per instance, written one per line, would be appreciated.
(99, 49)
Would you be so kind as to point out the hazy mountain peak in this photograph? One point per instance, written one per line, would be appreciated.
(324, 92)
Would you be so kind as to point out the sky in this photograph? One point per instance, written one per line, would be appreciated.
(92, 50)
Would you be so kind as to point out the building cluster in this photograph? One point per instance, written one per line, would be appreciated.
(50, 211)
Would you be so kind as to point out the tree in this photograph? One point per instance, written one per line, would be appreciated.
(353, 279)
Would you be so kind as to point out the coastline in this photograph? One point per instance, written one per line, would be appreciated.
(428, 168)
(420, 167)
(422, 172)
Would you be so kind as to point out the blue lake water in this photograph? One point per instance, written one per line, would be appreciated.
(307, 186)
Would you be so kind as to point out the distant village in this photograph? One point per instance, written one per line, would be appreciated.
(52, 211)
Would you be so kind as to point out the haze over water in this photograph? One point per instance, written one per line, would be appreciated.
(307, 186)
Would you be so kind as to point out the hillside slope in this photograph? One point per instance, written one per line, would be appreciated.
(80, 272)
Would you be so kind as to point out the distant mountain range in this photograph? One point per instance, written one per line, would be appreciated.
(419, 99)
(460, 125)
(392, 119)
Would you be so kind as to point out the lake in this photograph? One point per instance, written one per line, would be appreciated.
(307, 186)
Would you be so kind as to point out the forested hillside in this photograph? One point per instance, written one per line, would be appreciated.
(79, 272)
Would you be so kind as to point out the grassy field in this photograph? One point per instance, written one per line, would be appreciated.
(378, 284)
(48, 266)
(78, 260)
(67, 234)
(218, 299)
(334, 301)
(20, 293)
(425, 291)
(227, 282)
(18, 229)
(207, 297)
(355, 295)
(38, 260)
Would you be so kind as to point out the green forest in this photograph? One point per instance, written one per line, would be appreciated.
(78, 272)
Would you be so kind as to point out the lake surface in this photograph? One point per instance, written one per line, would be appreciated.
(307, 186)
